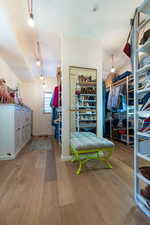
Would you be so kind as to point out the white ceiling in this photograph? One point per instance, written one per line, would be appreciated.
(110, 24)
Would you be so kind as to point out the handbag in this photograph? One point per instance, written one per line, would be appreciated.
(127, 47)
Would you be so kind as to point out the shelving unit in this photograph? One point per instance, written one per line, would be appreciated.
(124, 115)
(139, 151)
(83, 101)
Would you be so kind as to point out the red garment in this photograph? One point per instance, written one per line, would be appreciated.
(56, 96)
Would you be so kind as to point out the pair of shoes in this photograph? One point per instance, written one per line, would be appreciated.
(145, 171)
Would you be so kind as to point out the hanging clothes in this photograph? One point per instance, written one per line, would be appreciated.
(113, 98)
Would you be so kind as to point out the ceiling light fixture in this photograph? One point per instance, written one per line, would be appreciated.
(113, 69)
(41, 77)
(38, 62)
(30, 11)
(44, 85)
(38, 54)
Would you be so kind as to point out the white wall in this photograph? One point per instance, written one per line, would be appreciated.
(83, 53)
(8, 75)
(32, 95)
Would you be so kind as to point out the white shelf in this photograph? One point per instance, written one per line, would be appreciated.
(145, 7)
(144, 204)
(144, 209)
(87, 107)
(145, 48)
(144, 90)
(142, 134)
(144, 114)
(143, 69)
(86, 95)
(87, 113)
(87, 100)
(144, 179)
(140, 73)
(144, 156)
(88, 126)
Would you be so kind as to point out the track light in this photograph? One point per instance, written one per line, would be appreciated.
(38, 62)
(113, 69)
(41, 77)
(44, 85)
(30, 11)
(31, 20)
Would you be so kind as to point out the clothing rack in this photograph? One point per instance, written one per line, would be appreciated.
(128, 114)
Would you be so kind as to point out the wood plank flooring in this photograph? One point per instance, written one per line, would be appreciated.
(39, 189)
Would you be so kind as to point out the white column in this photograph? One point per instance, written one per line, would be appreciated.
(80, 52)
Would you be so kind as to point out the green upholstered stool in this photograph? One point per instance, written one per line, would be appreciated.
(86, 146)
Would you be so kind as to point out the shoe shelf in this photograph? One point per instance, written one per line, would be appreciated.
(141, 177)
(82, 100)
(143, 69)
(139, 151)
(143, 114)
(145, 48)
(86, 95)
(144, 90)
(145, 7)
(142, 203)
(144, 156)
(143, 134)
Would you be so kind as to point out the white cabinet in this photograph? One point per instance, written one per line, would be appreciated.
(15, 129)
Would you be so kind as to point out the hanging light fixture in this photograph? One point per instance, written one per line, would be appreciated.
(44, 85)
(113, 69)
(41, 77)
(38, 54)
(30, 11)
(38, 62)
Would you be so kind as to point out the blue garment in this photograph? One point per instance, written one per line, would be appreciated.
(122, 76)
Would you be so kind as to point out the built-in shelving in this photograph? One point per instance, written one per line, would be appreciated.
(144, 90)
(143, 69)
(144, 156)
(139, 150)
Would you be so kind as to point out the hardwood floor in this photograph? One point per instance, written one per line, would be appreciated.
(39, 189)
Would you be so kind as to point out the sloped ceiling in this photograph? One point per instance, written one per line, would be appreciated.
(109, 23)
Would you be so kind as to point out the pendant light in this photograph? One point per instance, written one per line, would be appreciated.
(44, 85)
(113, 69)
(30, 11)
(38, 63)
(38, 54)
(41, 77)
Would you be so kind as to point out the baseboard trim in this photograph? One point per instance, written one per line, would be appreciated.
(66, 157)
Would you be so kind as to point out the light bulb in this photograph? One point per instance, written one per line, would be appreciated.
(113, 69)
(44, 85)
(31, 20)
(41, 77)
(38, 63)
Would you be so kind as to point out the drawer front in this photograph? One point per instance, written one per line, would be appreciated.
(17, 118)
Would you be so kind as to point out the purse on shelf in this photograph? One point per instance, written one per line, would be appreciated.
(127, 47)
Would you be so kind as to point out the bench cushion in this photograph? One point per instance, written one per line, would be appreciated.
(89, 141)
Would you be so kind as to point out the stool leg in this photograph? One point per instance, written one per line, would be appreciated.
(80, 167)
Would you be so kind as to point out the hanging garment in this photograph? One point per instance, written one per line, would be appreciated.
(55, 98)
(113, 98)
